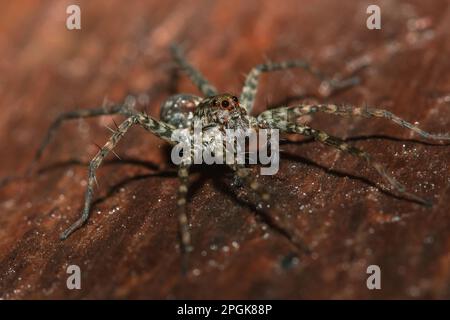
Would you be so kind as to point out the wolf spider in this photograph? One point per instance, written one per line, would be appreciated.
(228, 111)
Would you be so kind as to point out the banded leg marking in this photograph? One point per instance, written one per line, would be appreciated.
(195, 75)
(289, 114)
(250, 88)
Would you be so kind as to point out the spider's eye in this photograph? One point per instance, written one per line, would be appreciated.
(214, 102)
(235, 99)
(225, 104)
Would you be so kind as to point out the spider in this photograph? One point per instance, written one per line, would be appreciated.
(227, 111)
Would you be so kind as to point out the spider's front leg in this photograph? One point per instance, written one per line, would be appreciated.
(93, 166)
(337, 143)
(250, 88)
(290, 114)
(183, 176)
(156, 127)
(183, 224)
(72, 115)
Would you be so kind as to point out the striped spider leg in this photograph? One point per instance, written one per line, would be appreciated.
(158, 128)
(346, 110)
(250, 88)
(195, 75)
(72, 115)
(284, 118)
(183, 176)
(183, 223)
(175, 110)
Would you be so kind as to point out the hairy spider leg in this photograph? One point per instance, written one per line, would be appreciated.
(270, 209)
(72, 115)
(156, 127)
(183, 225)
(250, 88)
(345, 110)
(196, 77)
(341, 145)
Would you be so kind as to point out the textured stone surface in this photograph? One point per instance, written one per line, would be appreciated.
(129, 247)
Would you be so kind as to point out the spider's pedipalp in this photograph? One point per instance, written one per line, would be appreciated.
(196, 77)
(293, 112)
(250, 88)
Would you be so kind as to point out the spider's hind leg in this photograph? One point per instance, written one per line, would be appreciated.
(250, 88)
(196, 77)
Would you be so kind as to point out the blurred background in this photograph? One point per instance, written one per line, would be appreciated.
(129, 247)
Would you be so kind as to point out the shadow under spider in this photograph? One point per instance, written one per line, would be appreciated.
(246, 201)
(115, 188)
(217, 175)
(341, 174)
(195, 186)
(149, 165)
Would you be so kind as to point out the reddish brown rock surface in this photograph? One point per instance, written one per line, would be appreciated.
(129, 247)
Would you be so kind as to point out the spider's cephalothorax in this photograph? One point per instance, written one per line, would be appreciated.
(226, 111)
(222, 110)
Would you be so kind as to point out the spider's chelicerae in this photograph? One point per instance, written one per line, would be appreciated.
(226, 111)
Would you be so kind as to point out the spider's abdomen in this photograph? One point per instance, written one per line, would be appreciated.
(178, 110)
